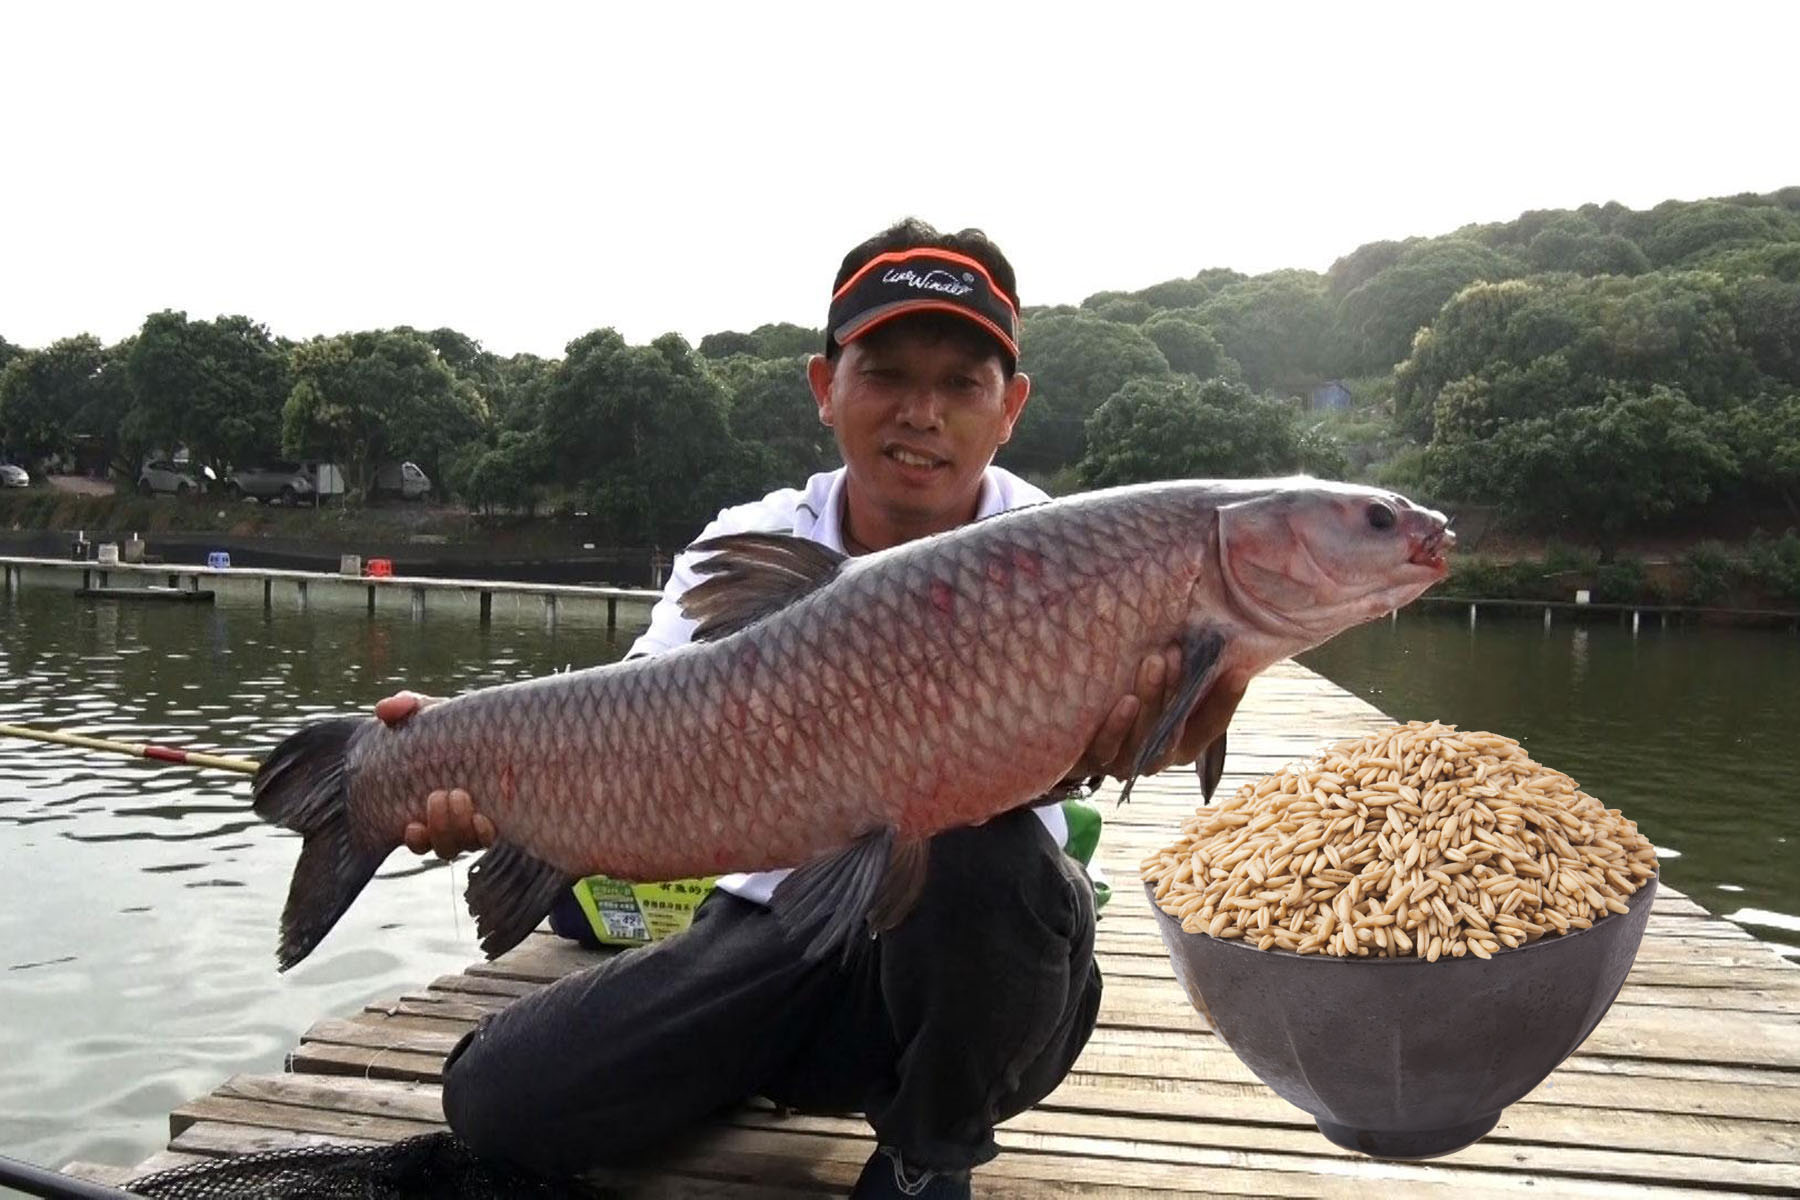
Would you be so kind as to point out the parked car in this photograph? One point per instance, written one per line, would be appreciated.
(403, 479)
(166, 477)
(14, 476)
(287, 482)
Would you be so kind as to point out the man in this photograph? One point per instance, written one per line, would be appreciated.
(975, 1006)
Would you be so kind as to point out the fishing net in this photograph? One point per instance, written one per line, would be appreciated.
(434, 1166)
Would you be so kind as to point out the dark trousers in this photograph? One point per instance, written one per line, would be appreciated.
(969, 1012)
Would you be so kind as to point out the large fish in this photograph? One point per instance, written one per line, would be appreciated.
(833, 714)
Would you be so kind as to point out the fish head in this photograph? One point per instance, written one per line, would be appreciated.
(1307, 559)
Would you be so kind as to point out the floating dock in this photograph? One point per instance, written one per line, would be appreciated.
(299, 589)
(1690, 1086)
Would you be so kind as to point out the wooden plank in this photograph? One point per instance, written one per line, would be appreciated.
(166, 1160)
(324, 1058)
(214, 1139)
(100, 1173)
(369, 1097)
(1042, 1165)
(1156, 1140)
(232, 1110)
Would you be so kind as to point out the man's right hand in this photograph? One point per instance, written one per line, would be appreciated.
(451, 823)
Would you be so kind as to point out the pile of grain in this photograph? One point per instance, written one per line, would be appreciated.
(1417, 839)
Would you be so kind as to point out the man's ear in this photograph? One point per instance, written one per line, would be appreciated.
(1018, 390)
(819, 372)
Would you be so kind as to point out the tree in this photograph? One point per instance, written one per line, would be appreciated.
(1595, 470)
(41, 391)
(1276, 326)
(216, 387)
(781, 339)
(642, 430)
(1764, 434)
(1189, 346)
(365, 398)
(1075, 363)
(772, 407)
(509, 475)
(1184, 429)
(1377, 319)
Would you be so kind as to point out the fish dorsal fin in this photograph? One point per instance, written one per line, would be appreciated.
(753, 575)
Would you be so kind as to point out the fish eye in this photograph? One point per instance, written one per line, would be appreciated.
(1382, 516)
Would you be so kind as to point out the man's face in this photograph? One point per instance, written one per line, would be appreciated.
(918, 415)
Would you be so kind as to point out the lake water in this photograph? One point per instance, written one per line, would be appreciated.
(138, 902)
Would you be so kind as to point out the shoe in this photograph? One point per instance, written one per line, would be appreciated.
(886, 1177)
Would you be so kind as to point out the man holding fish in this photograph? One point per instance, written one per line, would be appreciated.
(931, 963)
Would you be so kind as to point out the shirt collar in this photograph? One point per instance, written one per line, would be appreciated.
(828, 526)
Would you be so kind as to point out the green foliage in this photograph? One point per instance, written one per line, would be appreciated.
(1276, 327)
(509, 476)
(1177, 293)
(42, 393)
(1182, 429)
(1075, 363)
(1189, 347)
(364, 398)
(1688, 230)
(1597, 469)
(1775, 565)
(1377, 319)
(642, 430)
(1708, 574)
(216, 387)
(782, 339)
(772, 408)
(1622, 581)
(1127, 310)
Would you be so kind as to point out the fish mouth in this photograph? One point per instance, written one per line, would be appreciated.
(1429, 549)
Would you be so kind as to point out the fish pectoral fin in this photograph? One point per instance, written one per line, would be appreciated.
(510, 891)
(1200, 651)
(751, 576)
(1211, 768)
(869, 885)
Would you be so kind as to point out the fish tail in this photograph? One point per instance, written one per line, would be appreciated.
(303, 786)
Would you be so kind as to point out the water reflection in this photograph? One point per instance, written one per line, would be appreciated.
(139, 902)
(1689, 731)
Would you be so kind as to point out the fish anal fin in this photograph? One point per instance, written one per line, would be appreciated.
(837, 900)
(1200, 653)
(510, 891)
(750, 576)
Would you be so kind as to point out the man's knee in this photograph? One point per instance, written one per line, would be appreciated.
(1008, 870)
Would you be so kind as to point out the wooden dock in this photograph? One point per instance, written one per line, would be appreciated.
(1690, 1085)
(303, 586)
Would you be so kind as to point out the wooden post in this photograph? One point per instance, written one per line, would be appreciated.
(87, 579)
(268, 592)
(302, 584)
(103, 575)
(371, 599)
(487, 609)
(612, 613)
(550, 611)
(174, 579)
(418, 603)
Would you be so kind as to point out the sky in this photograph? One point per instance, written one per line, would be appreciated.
(526, 173)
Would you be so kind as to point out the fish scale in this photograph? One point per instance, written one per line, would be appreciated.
(844, 705)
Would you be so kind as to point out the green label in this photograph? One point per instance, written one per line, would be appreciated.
(635, 914)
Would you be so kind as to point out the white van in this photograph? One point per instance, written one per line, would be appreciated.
(403, 479)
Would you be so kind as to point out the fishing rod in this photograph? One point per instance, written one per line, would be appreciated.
(39, 1181)
(186, 758)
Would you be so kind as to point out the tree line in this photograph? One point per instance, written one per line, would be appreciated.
(1595, 370)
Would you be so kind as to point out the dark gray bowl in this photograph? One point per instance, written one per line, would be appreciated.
(1398, 1057)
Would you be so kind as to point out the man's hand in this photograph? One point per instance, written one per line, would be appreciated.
(1115, 747)
(451, 823)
